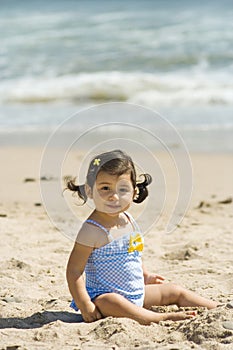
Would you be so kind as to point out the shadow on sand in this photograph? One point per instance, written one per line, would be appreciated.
(39, 319)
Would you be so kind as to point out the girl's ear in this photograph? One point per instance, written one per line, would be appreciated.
(88, 191)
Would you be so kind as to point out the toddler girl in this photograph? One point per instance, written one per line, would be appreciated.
(109, 246)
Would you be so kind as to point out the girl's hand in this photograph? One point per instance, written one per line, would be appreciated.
(153, 279)
(90, 313)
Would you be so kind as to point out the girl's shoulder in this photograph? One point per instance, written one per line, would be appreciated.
(92, 235)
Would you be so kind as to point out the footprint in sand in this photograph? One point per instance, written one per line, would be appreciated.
(185, 253)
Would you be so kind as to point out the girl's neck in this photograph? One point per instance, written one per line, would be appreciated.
(109, 221)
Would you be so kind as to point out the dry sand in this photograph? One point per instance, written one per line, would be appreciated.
(34, 298)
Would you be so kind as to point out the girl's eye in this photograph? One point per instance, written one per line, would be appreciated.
(123, 190)
(105, 188)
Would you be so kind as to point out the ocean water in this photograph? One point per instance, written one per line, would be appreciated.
(174, 56)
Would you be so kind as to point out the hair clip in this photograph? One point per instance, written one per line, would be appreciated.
(96, 161)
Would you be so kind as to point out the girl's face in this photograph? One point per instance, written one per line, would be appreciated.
(112, 194)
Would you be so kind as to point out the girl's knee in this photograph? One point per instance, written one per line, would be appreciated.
(175, 290)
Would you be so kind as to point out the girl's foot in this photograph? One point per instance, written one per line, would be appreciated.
(179, 316)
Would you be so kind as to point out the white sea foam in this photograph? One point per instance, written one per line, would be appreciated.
(143, 88)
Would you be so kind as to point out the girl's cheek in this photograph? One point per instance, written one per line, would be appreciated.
(127, 198)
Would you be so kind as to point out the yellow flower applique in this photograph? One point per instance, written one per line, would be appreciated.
(136, 243)
(96, 161)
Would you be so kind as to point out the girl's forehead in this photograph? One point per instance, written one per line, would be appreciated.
(104, 177)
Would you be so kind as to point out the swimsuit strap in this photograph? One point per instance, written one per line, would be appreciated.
(98, 225)
(133, 222)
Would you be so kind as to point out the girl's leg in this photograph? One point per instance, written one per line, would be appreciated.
(112, 304)
(169, 293)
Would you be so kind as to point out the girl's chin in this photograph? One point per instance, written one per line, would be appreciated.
(111, 210)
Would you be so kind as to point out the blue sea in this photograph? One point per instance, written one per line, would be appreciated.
(172, 56)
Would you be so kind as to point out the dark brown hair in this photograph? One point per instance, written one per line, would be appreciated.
(117, 163)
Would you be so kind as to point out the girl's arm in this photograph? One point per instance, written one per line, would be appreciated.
(151, 278)
(74, 274)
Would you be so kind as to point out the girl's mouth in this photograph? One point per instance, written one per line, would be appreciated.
(113, 206)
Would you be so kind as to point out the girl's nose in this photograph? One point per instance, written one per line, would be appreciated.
(113, 196)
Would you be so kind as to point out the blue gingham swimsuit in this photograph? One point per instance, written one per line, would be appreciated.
(116, 267)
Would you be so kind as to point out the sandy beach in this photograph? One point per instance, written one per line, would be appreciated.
(34, 297)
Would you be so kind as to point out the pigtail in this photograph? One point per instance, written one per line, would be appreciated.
(79, 189)
(141, 187)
